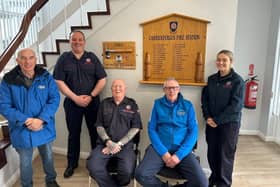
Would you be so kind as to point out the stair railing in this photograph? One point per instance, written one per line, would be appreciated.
(12, 47)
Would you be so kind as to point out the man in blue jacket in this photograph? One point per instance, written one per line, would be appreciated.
(29, 98)
(173, 132)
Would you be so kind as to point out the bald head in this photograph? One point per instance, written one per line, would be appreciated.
(118, 90)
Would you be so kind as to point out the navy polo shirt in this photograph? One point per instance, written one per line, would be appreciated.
(117, 120)
(80, 75)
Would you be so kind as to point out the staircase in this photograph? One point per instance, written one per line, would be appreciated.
(49, 57)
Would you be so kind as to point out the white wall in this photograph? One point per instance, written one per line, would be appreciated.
(272, 129)
(251, 44)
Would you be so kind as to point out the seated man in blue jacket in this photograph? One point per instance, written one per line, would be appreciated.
(173, 132)
(29, 99)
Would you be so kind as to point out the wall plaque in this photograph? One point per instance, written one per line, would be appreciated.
(119, 55)
(174, 46)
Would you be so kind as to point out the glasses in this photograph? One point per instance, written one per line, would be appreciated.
(169, 88)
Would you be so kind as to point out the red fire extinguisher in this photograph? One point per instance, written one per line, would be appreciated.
(251, 91)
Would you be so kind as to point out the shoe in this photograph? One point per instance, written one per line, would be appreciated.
(212, 185)
(69, 171)
(179, 185)
(52, 184)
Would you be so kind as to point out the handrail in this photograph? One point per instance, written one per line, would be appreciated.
(12, 47)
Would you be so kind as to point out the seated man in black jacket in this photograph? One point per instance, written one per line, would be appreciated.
(118, 121)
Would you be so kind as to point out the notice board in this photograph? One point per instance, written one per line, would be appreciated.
(119, 54)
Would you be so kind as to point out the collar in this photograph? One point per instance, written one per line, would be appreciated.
(227, 76)
(15, 76)
(124, 101)
(74, 57)
(169, 103)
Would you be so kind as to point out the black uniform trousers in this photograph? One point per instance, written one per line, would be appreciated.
(222, 142)
(74, 117)
(97, 166)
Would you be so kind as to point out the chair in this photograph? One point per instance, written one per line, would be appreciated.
(112, 164)
(171, 176)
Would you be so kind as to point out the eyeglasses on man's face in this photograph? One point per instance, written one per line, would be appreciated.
(169, 88)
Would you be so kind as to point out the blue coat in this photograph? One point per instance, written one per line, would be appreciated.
(173, 127)
(18, 102)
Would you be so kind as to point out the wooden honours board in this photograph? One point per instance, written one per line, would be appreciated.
(174, 46)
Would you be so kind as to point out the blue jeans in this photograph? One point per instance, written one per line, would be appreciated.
(25, 158)
(152, 163)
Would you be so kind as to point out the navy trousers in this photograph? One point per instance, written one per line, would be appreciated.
(97, 166)
(74, 116)
(222, 142)
(152, 163)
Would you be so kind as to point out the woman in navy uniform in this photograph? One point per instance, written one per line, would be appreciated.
(222, 101)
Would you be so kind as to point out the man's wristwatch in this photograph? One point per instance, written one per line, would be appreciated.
(120, 144)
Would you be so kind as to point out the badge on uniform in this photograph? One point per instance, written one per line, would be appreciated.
(228, 84)
(88, 61)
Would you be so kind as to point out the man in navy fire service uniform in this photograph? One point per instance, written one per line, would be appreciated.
(80, 77)
(118, 122)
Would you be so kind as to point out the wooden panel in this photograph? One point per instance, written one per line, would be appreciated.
(174, 46)
(119, 55)
(3, 160)
(4, 141)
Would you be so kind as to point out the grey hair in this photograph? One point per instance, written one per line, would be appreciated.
(169, 79)
(25, 49)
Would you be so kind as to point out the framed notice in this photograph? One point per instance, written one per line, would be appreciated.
(119, 55)
(174, 46)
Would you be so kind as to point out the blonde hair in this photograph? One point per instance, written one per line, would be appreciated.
(226, 52)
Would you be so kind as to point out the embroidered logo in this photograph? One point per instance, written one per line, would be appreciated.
(88, 61)
(128, 109)
(181, 112)
(228, 84)
(41, 87)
